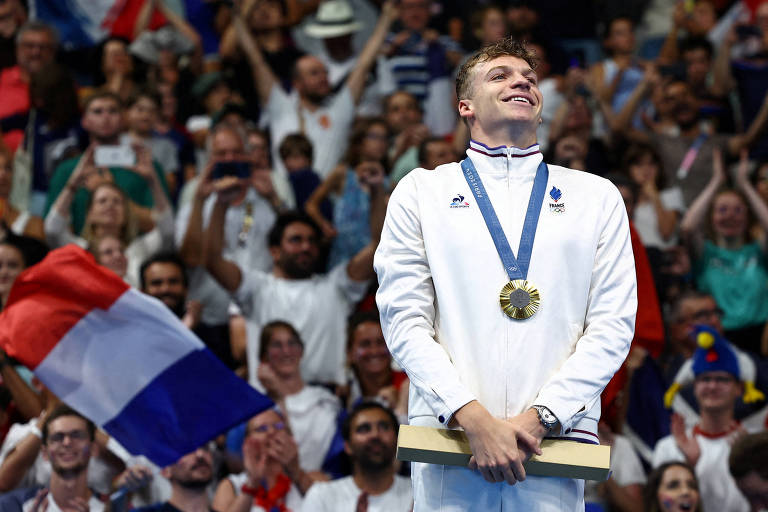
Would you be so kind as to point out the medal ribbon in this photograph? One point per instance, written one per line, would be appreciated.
(516, 268)
(690, 156)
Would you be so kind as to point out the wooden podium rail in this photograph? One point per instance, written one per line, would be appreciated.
(569, 459)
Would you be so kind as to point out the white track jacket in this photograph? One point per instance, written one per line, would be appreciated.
(440, 276)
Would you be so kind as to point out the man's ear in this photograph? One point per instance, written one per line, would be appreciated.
(44, 452)
(274, 251)
(347, 448)
(466, 109)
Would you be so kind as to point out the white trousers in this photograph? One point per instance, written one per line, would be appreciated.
(454, 489)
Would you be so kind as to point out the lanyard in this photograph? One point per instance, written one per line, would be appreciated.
(690, 156)
(517, 268)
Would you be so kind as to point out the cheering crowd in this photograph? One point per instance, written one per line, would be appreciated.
(235, 159)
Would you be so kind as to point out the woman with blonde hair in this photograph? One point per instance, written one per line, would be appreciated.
(109, 212)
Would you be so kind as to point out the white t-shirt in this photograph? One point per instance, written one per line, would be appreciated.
(327, 127)
(716, 485)
(94, 505)
(341, 496)
(252, 254)
(312, 413)
(647, 222)
(317, 307)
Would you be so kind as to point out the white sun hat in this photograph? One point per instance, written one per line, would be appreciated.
(334, 18)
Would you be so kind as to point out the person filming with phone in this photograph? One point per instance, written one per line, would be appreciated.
(102, 120)
(243, 160)
(105, 176)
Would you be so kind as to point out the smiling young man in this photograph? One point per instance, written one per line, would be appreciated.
(507, 353)
(707, 445)
(68, 444)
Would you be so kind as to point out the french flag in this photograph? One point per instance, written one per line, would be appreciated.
(121, 358)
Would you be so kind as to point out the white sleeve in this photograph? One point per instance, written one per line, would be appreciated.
(249, 295)
(609, 324)
(58, 232)
(406, 299)
(672, 199)
(666, 450)
(352, 290)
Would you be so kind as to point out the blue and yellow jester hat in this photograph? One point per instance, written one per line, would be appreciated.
(715, 354)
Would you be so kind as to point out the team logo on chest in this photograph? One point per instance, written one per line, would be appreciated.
(459, 202)
(556, 195)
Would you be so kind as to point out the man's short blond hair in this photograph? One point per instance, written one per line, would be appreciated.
(505, 47)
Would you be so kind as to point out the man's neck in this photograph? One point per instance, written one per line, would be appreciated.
(690, 131)
(308, 103)
(140, 136)
(376, 482)
(190, 500)
(716, 421)
(65, 489)
(513, 136)
(280, 273)
(106, 141)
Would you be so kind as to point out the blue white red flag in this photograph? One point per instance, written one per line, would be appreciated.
(121, 358)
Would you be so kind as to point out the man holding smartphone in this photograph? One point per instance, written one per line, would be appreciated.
(246, 223)
(102, 120)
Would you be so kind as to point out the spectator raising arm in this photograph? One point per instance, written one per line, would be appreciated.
(360, 267)
(692, 223)
(191, 250)
(263, 77)
(227, 273)
(359, 74)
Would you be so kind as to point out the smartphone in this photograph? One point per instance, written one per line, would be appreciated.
(114, 156)
(235, 168)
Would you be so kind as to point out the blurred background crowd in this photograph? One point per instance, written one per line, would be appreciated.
(234, 159)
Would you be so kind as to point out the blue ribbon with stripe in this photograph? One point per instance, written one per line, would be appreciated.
(516, 268)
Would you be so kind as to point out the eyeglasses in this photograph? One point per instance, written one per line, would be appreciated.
(704, 314)
(263, 429)
(715, 379)
(75, 435)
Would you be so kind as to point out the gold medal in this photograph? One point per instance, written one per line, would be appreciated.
(519, 299)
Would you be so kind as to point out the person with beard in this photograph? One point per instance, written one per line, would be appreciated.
(316, 305)
(68, 443)
(190, 477)
(370, 439)
(325, 118)
(164, 277)
(684, 153)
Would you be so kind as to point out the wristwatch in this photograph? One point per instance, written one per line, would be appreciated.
(546, 417)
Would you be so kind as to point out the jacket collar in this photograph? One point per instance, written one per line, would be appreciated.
(504, 158)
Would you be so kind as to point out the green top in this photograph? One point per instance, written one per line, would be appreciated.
(133, 185)
(738, 281)
(407, 162)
